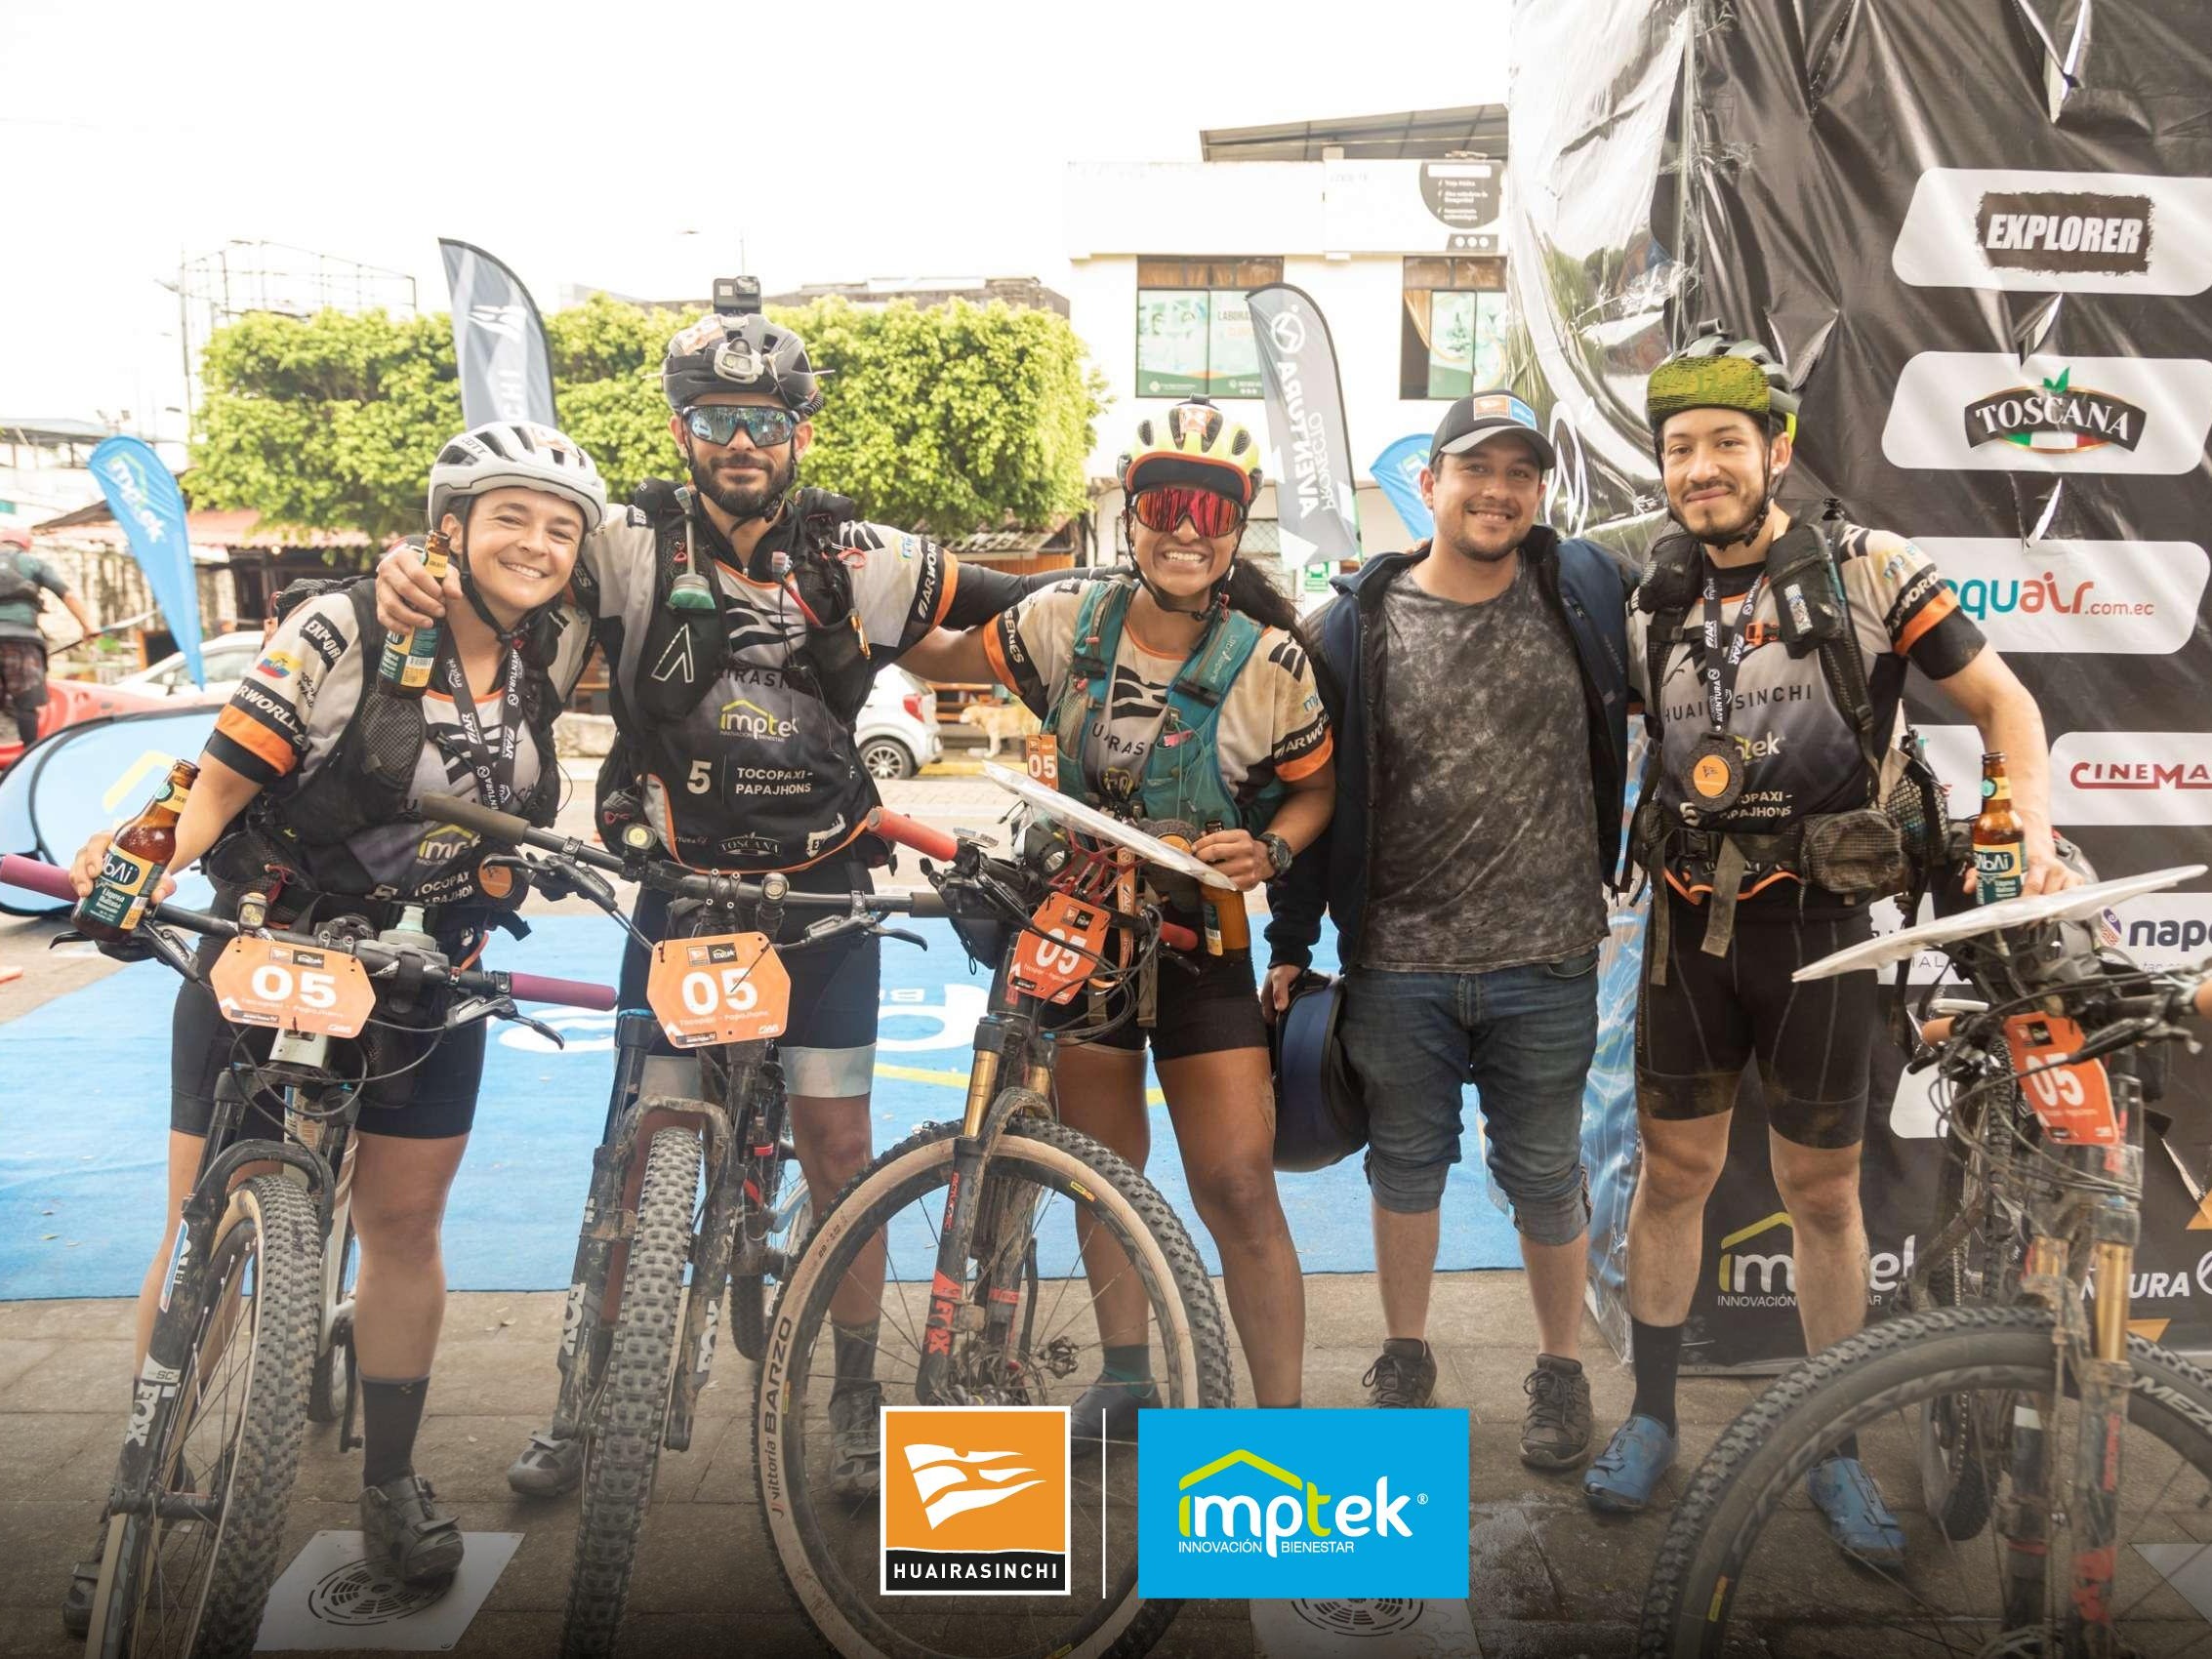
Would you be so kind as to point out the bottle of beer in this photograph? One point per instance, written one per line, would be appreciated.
(123, 891)
(404, 670)
(2000, 853)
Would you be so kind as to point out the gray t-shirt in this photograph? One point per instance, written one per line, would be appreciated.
(1486, 851)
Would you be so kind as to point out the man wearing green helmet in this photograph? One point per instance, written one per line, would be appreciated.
(1771, 655)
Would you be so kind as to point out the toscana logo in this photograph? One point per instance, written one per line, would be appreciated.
(1989, 412)
(976, 1501)
(2123, 598)
(2024, 230)
(1280, 1504)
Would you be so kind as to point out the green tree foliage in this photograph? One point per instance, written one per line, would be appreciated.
(952, 418)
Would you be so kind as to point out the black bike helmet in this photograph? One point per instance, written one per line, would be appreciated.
(749, 353)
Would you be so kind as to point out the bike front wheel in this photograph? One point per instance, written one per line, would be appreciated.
(1048, 1182)
(189, 1580)
(623, 1444)
(1741, 1551)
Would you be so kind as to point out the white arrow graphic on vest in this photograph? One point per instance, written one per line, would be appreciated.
(677, 656)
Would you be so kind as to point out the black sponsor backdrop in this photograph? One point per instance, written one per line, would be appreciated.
(1755, 162)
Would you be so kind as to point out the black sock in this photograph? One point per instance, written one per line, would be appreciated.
(1130, 1365)
(390, 1414)
(855, 1346)
(1848, 1446)
(1655, 1351)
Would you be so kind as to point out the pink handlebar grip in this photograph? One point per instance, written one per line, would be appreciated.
(905, 831)
(576, 993)
(36, 878)
(1181, 937)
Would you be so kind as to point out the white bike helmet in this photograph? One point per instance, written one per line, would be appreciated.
(505, 453)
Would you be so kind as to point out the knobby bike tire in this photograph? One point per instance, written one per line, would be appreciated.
(272, 1221)
(1761, 1458)
(326, 1397)
(1958, 1491)
(623, 1446)
(1047, 1153)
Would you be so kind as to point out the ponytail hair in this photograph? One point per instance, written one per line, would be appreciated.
(1250, 593)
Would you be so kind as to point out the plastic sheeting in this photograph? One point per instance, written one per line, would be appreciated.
(1981, 235)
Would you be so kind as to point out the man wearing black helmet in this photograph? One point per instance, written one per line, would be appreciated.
(1771, 655)
(743, 617)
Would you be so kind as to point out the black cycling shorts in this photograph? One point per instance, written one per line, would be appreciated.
(1814, 1043)
(427, 1102)
(1208, 1012)
(834, 989)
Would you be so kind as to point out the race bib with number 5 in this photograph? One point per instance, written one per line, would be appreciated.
(2074, 1102)
(723, 988)
(1060, 951)
(265, 982)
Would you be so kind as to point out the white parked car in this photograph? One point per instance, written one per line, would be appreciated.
(897, 726)
(224, 657)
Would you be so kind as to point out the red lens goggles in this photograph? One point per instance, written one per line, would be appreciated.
(1167, 505)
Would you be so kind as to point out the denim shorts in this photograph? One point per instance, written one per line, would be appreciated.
(1522, 1037)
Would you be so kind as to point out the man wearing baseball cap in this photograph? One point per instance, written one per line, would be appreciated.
(1481, 755)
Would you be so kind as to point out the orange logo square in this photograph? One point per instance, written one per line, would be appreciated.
(976, 1501)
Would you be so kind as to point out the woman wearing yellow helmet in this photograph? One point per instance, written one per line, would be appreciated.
(1182, 694)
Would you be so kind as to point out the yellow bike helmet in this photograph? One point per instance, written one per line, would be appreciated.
(1194, 443)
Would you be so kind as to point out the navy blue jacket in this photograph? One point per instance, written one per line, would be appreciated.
(1588, 589)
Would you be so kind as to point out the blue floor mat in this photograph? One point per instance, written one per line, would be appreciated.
(84, 1115)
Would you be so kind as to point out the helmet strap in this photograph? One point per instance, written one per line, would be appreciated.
(1755, 525)
(512, 634)
(1216, 596)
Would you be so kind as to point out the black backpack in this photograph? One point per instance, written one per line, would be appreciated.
(16, 587)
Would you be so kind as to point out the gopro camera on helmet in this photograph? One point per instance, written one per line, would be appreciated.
(737, 296)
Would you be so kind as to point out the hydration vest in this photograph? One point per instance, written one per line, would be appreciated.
(1181, 778)
(303, 824)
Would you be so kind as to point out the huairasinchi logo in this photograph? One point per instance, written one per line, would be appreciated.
(2054, 415)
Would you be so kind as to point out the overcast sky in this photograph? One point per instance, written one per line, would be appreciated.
(629, 146)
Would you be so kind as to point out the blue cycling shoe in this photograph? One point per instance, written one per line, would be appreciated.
(1623, 1477)
(1859, 1522)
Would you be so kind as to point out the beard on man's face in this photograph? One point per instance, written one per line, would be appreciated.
(742, 487)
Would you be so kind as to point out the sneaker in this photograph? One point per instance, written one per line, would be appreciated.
(1556, 1431)
(403, 1528)
(548, 1467)
(1107, 1411)
(856, 1451)
(84, 1584)
(1625, 1475)
(1403, 1376)
(1859, 1522)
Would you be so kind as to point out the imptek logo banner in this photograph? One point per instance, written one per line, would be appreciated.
(2056, 232)
(1290, 1504)
(976, 1501)
(1991, 412)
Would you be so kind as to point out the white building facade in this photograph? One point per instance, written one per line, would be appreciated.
(1404, 258)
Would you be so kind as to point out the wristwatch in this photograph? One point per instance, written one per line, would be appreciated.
(1279, 853)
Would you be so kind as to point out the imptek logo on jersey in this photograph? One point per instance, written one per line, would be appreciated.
(1302, 1503)
(976, 1501)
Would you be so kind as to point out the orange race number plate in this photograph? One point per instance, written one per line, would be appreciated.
(1056, 956)
(722, 988)
(295, 988)
(2074, 1102)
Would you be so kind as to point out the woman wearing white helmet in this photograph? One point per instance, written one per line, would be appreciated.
(299, 777)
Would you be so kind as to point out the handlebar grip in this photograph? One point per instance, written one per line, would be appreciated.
(1936, 1033)
(575, 992)
(905, 831)
(35, 878)
(478, 819)
(2201, 1001)
(1176, 935)
(926, 902)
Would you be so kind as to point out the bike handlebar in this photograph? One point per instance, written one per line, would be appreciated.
(50, 879)
(903, 832)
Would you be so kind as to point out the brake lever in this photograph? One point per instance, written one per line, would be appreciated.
(901, 934)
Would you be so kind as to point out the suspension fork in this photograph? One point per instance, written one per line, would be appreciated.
(2025, 1521)
(714, 1241)
(2105, 1380)
(585, 1318)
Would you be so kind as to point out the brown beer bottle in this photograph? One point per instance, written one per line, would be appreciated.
(123, 891)
(404, 668)
(2000, 853)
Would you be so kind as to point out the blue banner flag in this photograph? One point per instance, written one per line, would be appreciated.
(499, 341)
(1398, 475)
(143, 495)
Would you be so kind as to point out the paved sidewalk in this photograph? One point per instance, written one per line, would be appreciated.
(1549, 1578)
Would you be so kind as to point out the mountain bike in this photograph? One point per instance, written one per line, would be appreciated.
(255, 1303)
(680, 1186)
(2064, 1465)
(986, 1302)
